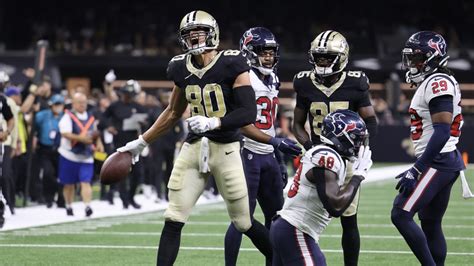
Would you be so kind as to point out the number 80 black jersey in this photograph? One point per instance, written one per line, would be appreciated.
(209, 90)
(351, 92)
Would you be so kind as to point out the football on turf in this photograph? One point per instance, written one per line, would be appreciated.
(116, 167)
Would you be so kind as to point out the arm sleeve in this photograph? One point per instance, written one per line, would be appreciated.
(246, 110)
(441, 133)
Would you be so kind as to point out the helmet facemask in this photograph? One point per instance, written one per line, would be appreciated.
(197, 39)
(325, 64)
(254, 54)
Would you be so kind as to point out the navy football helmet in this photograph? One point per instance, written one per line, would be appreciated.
(345, 131)
(254, 42)
(424, 53)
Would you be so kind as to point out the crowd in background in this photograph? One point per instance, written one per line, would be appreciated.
(119, 115)
(149, 28)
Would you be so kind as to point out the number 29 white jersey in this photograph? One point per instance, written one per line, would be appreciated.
(266, 97)
(436, 85)
(303, 208)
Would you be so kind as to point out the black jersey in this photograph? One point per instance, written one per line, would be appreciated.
(351, 92)
(209, 90)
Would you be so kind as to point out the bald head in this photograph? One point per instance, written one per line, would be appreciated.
(79, 102)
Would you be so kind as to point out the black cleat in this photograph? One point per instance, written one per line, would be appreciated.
(135, 205)
(69, 212)
(88, 211)
(2, 210)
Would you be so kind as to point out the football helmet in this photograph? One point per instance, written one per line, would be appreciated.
(423, 54)
(198, 32)
(254, 42)
(131, 87)
(329, 53)
(345, 131)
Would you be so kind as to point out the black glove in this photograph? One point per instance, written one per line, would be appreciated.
(408, 181)
(286, 145)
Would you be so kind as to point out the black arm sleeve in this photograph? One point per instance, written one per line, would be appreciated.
(320, 181)
(246, 110)
(371, 123)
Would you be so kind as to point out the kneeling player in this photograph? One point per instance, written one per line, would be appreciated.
(315, 195)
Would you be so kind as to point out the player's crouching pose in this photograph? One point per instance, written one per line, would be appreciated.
(316, 195)
(436, 122)
(216, 84)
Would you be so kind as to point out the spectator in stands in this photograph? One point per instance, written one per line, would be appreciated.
(78, 135)
(384, 115)
(47, 129)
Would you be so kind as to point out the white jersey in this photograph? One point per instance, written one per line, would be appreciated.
(303, 208)
(421, 125)
(266, 97)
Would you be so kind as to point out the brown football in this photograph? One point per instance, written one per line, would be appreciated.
(116, 167)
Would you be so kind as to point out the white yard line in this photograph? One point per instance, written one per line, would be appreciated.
(205, 248)
(154, 234)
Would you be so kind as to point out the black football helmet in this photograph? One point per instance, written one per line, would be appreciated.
(424, 53)
(345, 131)
(254, 42)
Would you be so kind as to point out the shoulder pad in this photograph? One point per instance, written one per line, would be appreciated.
(325, 157)
(231, 52)
(359, 79)
(302, 74)
(439, 84)
(178, 57)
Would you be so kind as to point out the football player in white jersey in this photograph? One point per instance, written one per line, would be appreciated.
(316, 194)
(265, 172)
(436, 122)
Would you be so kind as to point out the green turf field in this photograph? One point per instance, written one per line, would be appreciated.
(132, 240)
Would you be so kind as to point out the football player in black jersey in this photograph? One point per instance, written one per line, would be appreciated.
(323, 90)
(217, 86)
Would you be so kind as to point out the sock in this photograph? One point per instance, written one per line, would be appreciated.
(413, 235)
(350, 240)
(233, 239)
(436, 241)
(169, 243)
(260, 238)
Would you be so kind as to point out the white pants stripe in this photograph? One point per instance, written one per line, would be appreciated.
(308, 260)
(419, 190)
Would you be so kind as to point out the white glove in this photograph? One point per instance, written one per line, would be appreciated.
(135, 147)
(201, 124)
(110, 77)
(363, 162)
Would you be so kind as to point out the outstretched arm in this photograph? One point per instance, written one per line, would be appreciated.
(168, 117)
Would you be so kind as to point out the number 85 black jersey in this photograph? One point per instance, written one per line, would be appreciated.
(209, 90)
(351, 92)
